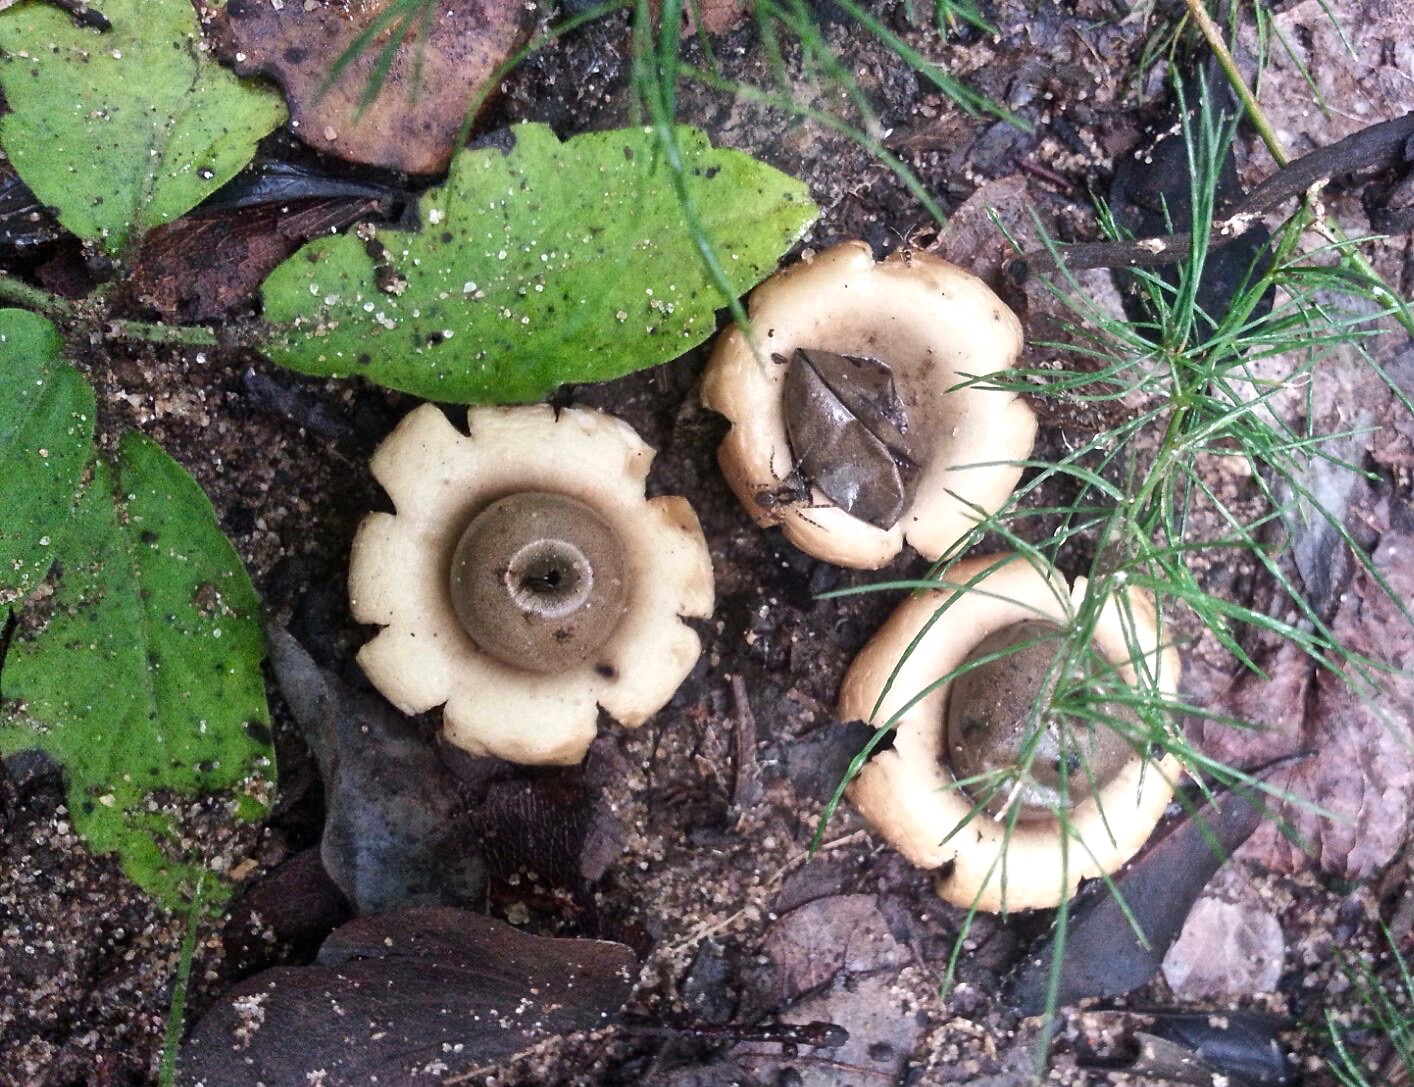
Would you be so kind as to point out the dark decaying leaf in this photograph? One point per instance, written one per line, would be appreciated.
(406, 997)
(848, 433)
(294, 907)
(1241, 1043)
(1239, 1048)
(396, 834)
(554, 824)
(1152, 195)
(211, 261)
(816, 762)
(78, 11)
(1391, 210)
(277, 180)
(1103, 956)
(542, 825)
(436, 56)
(1390, 204)
(1384, 145)
(357, 429)
(24, 220)
(1167, 1062)
(216, 257)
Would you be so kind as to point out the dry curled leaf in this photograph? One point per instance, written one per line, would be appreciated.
(849, 433)
(438, 56)
(1227, 950)
(832, 961)
(1151, 195)
(809, 946)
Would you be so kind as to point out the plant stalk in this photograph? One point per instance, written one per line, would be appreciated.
(64, 312)
(14, 292)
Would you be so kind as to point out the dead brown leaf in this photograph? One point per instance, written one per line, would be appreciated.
(1362, 770)
(809, 946)
(1392, 443)
(976, 234)
(835, 960)
(714, 16)
(209, 262)
(1355, 66)
(441, 62)
(982, 235)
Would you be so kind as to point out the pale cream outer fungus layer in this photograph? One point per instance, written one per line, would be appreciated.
(907, 794)
(933, 324)
(438, 481)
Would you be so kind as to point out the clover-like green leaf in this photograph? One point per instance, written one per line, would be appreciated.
(46, 437)
(547, 263)
(122, 129)
(140, 674)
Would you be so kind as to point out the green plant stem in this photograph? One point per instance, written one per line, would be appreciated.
(1213, 35)
(64, 312)
(14, 292)
(157, 333)
(172, 1034)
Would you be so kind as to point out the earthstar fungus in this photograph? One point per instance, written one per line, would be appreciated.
(892, 342)
(910, 793)
(525, 579)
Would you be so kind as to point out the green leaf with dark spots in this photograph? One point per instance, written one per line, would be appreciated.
(124, 129)
(551, 262)
(46, 438)
(140, 674)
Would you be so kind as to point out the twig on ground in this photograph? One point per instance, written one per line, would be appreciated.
(1376, 146)
(746, 782)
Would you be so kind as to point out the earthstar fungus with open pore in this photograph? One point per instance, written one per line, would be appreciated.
(910, 793)
(932, 326)
(525, 579)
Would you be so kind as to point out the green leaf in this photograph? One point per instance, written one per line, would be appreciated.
(549, 263)
(140, 675)
(46, 438)
(124, 129)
